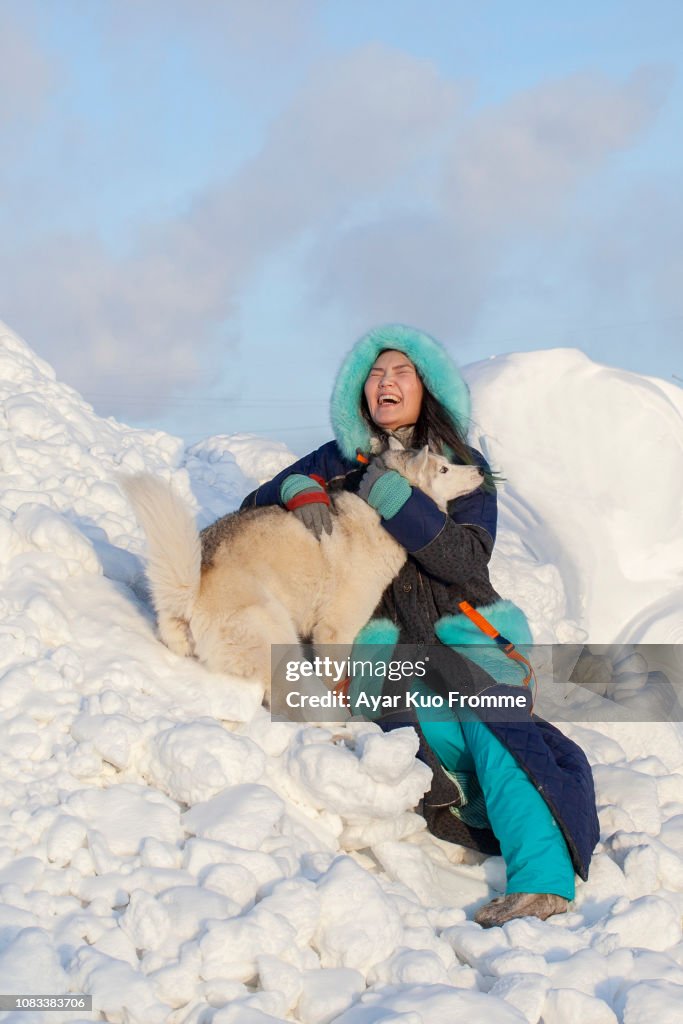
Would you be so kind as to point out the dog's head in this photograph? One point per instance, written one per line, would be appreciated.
(433, 474)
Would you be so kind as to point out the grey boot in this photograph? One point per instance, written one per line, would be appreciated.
(520, 904)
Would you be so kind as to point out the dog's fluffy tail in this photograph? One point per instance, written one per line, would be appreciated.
(175, 555)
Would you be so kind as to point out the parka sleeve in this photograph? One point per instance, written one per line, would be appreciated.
(325, 462)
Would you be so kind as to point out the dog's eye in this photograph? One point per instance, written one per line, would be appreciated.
(443, 469)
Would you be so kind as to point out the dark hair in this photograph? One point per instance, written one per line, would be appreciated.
(435, 427)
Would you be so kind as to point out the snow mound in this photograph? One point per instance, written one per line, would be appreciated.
(593, 458)
(169, 850)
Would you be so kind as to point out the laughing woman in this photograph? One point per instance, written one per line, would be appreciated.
(521, 789)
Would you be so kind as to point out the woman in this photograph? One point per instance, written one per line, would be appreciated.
(519, 788)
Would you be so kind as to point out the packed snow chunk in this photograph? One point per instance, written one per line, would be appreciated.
(145, 921)
(359, 925)
(194, 761)
(649, 922)
(26, 873)
(50, 623)
(230, 948)
(189, 907)
(411, 967)
(568, 1005)
(434, 883)
(154, 854)
(202, 856)
(118, 991)
(258, 458)
(553, 942)
(243, 815)
(229, 698)
(517, 961)
(30, 963)
(631, 790)
(277, 975)
(125, 815)
(672, 833)
(429, 1004)
(606, 884)
(327, 993)
(234, 881)
(639, 741)
(65, 835)
(14, 920)
(11, 544)
(340, 780)
(526, 992)
(641, 870)
(46, 530)
(388, 757)
(298, 901)
(371, 832)
(654, 1002)
(178, 982)
(240, 1013)
(476, 946)
(113, 737)
(28, 416)
(587, 970)
(19, 363)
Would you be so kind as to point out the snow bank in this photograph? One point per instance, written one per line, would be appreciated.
(593, 504)
(169, 850)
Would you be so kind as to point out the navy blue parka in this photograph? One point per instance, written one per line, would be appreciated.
(448, 562)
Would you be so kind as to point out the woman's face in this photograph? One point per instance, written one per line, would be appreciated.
(393, 391)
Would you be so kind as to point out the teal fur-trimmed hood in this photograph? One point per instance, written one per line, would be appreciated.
(436, 368)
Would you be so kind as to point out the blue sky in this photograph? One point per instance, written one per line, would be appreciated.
(204, 202)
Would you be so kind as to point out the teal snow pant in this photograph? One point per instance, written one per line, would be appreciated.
(531, 842)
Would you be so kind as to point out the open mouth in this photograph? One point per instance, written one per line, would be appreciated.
(388, 400)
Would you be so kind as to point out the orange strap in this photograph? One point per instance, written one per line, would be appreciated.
(342, 688)
(506, 646)
(479, 620)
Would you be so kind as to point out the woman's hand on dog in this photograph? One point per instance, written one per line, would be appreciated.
(308, 499)
(375, 470)
(315, 518)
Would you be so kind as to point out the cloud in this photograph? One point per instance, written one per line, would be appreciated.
(171, 297)
(513, 164)
(631, 255)
(100, 321)
(27, 75)
(510, 177)
(406, 268)
(225, 30)
(341, 139)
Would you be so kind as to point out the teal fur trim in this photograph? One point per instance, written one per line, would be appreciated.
(297, 483)
(374, 643)
(378, 631)
(438, 372)
(509, 620)
(389, 494)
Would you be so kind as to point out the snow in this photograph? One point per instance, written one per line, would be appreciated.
(168, 849)
(592, 456)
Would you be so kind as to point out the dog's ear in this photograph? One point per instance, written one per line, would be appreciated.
(395, 445)
(420, 460)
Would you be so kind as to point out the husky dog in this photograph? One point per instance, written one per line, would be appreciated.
(260, 577)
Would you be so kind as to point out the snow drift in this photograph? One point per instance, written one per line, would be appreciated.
(169, 850)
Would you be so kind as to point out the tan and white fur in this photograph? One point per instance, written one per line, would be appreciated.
(260, 577)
